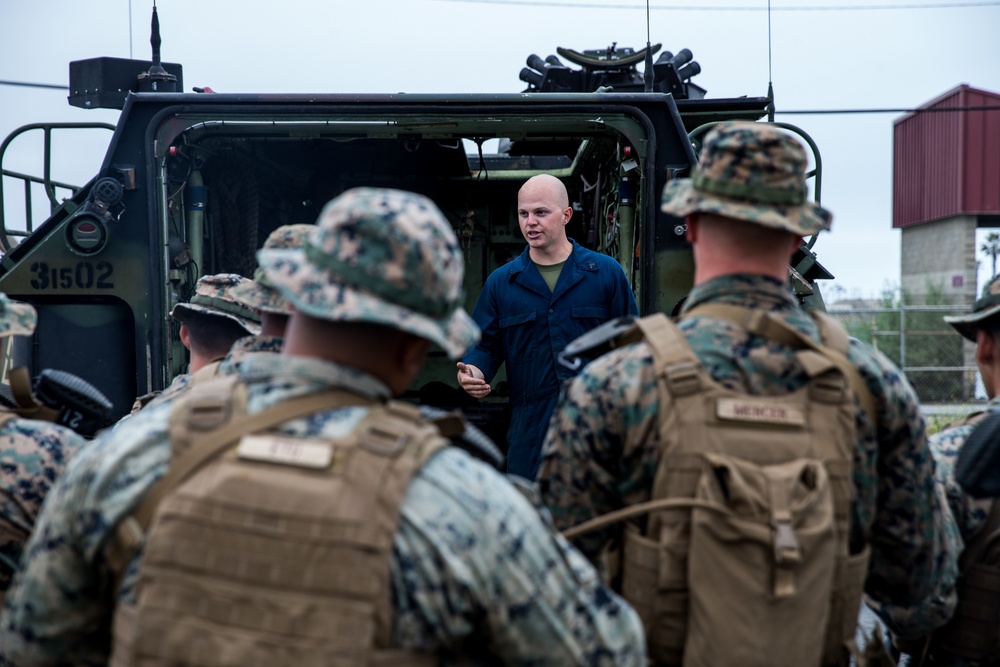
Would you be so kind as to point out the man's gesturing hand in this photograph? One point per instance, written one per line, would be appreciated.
(471, 379)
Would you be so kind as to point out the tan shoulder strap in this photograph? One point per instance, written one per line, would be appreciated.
(388, 430)
(761, 323)
(27, 405)
(206, 372)
(661, 335)
(676, 362)
(144, 400)
(832, 332)
(130, 531)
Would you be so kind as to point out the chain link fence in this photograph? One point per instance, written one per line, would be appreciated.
(938, 362)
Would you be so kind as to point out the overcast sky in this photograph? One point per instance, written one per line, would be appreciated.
(824, 54)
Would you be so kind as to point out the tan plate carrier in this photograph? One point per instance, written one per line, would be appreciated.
(744, 558)
(265, 549)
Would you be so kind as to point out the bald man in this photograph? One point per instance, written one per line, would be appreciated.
(531, 308)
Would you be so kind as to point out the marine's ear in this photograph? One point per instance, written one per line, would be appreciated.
(986, 348)
(409, 355)
(185, 335)
(691, 227)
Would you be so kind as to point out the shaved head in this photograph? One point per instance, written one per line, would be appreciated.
(542, 211)
(545, 184)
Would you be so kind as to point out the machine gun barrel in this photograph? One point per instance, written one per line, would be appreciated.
(682, 58)
(536, 63)
(688, 71)
(531, 77)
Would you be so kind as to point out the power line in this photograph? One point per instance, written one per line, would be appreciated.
(834, 112)
(795, 112)
(28, 84)
(730, 8)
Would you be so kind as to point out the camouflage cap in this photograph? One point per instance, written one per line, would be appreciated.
(16, 319)
(259, 293)
(383, 256)
(213, 295)
(983, 309)
(753, 172)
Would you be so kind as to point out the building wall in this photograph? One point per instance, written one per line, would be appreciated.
(947, 163)
(942, 255)
(980, 175)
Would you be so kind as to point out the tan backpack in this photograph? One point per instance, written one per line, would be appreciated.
(744, 558)
(266, 549)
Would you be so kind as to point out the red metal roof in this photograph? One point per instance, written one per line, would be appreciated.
(947, 163)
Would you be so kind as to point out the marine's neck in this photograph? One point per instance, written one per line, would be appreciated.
(551, 255)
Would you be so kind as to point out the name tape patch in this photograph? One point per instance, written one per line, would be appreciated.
(315, 454)
(748, 410)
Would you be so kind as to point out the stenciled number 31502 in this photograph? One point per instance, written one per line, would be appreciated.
(82, 275)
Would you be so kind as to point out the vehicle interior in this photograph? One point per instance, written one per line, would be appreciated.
(252, 177)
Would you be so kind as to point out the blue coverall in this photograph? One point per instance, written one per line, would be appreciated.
(526, 326)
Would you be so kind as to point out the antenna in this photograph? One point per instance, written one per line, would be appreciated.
(130, 29)
(647, 73)
(154, 40)
(156, 79)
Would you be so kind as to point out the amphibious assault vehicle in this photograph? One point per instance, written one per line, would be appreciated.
(192, 183)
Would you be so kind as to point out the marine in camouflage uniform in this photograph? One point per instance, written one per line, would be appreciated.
(472, 563)
(601, 454)
(981, 326)
(33, 455)
(213, 297)
(273, 309)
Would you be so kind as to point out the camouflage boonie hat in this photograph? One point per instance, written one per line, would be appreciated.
(383, 256)
(213, 295)
(16, 319)
(259, 293)
(983, 309)
(753, 172)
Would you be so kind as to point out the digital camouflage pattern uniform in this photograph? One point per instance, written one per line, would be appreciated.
(214, 295)
(473, 563)
(262, 297)
(33, 455)
(600, 454)
(260, 294)
(246, 347)
(970, 514)
(946, 444)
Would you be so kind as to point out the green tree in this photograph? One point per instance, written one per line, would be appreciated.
(991, 247)
(927, 342)
(930, 343)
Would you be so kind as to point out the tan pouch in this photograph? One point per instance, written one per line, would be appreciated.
(658, 594)
(768, 547)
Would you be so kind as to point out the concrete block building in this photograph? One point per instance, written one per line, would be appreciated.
(946, 184)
